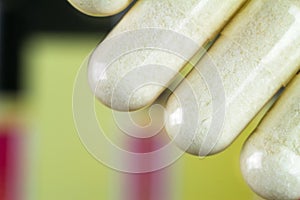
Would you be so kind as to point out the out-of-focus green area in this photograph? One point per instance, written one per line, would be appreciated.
(62, 169)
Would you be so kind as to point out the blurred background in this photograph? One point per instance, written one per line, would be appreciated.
(43, 44)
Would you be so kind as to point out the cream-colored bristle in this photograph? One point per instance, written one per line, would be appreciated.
(257, 54)
(270, 159)
(100, 7)
(196, 21)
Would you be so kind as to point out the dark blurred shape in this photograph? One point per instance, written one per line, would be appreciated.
(20, 18)
(10, 39)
